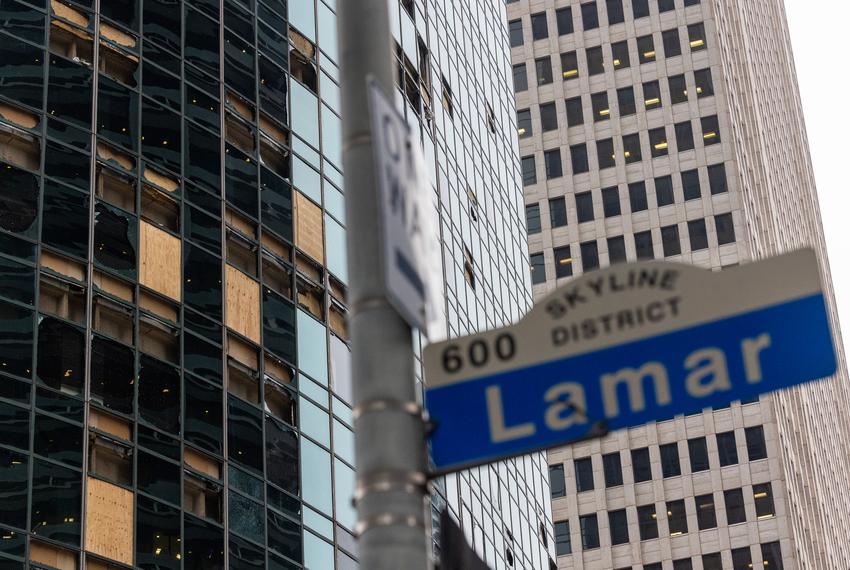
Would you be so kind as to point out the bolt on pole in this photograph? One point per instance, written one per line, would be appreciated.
(391, 493)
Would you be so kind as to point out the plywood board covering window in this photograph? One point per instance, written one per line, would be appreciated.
(109, 521)
(243, 304)
(308, 227)
(159, 267)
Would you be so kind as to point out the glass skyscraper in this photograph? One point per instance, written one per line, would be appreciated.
(174, 366)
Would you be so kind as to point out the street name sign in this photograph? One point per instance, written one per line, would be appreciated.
(624, 346)
(412, 260)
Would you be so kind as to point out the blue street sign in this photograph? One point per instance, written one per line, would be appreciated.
(624, 346)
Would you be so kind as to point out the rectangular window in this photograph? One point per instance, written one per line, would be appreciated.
(544, 70)
(647, 522)
(584, 474)
(564, 19)
(589, 256)
(584, 206)
(619, 525)
(558, 212)
(710, 130)
(532, 218)
(515, 32)
(575, 112)
(717, 179)
(664, 190)
(756, 448)
(683, 564)
(631, 148)
(646, 49)
(616, 249)
(690, 185)
(677, 518)
(615, 11)
(763, 497)
(725, 228)
(529, 171)
(595, 62)
(696, 36)
(678, 88)
(712, 561)
(611, 201)
(620, 54)
(658, 142)
(702, 78)
(670, 240)
(640, 8)
(520, 78)
(557, 483)
(538, 268)
(643, 245)
(626, 101)
(539, 26)
(670, 39)
(563, 262)
(727, 448)
(666, 5)
(613, 469)
(684, 136)
(605, 153)
(706, 516)
(578, 158)
(771, 554)
(670, 466)
(523, 123)
(698, 453)
(563, 543)
(641, 467)
(589, 16)
(589, 531)
(599, 104)
(697, 235)
(569, 65)
(637, 196)
(734, 499)
(742, 559)
(548, 117)
(651, 95)
(552, 161)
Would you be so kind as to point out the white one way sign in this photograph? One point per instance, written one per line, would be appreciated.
(412, 262)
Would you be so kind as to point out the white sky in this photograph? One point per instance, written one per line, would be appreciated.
(819, 37)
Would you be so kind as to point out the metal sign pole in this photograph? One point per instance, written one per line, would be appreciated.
(389, 429)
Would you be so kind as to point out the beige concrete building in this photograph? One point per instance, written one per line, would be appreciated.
(672, 129)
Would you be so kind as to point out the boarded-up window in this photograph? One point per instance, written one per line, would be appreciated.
(243, 304)
(160, 261)
(109, 521)
(308, 227)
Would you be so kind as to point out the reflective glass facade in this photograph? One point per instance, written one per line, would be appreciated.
(174, 362)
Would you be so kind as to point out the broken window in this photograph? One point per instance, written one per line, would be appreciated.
(116, 188)
(113, 319)
(203, 414)
(275, 157)
(282, 456)
(310, 294)
(68, 40)
(245, 516)
(56, 502)
(408, 78)
(159, 339)
(468, 267)
(161, 209)
(61, 355)
(281, 402)
(240, 133)
(242, 382)
(277, 275)
(159, 394)
(284, 536)
(19, 192)
(201, 496)
(20, 148)
(115, 240)
(62, 298)
(112, 375)
(302, 64)
(115, 62)
(110, 459)
(448, 102)
(241, 252)
(273, 89)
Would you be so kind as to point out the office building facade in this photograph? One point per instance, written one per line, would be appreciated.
(174, 377)
(672, 129)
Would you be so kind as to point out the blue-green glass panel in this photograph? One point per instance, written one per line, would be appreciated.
(316, 476)
(312, 348)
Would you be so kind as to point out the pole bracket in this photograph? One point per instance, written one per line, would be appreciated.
(388, 520)
(388, 405)
(391, 481)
